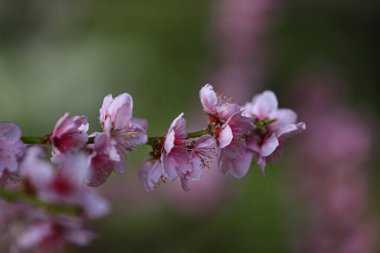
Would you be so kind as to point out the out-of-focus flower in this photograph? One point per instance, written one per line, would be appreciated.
(333, 172)
(11, 147)
(273, 126)
(240, 31)
(52, 233)
(65, 185)
(69, 134)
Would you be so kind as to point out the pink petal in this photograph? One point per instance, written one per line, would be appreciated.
(179, 127)
(9, 132)
(169, 166)
(169, 141)
(95, 206)
(227, 110)
(140, 123)
(120, 110)
(208, 98)
(261, 163)
(264, 104)
(103, 113)
(225, 136)
(290, 130)
(150, 173)
(75, 168)
(283, 117)
(101, 168)
(35, 168)
(240, 167)
(205, 141)
(269, 146)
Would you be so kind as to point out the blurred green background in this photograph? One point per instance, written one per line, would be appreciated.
(65, 56)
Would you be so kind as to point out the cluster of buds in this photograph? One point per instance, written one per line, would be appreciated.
(60, 191)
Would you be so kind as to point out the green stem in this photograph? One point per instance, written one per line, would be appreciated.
(197, 134)
(151, 140)
(33, 140)
(17, 196)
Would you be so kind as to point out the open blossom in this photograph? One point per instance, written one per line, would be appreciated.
(69, 134)
(230, 128)
(175, 156)
(169, 157)
(121, 133)
(117, 119)
(202, 154)
(273, 126)
(105, 158)
(11, 148)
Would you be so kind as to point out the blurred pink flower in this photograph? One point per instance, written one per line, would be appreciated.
(333, 172)
(11, 148)
(62, 185)
(52, 234)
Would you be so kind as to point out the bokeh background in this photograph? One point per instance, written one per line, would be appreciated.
(320, 57)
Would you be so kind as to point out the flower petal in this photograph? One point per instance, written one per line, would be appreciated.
(264, 104)
(225, 136)
(269, 146)
(240, 167)
(150, 173)
(208, 98)
(169, 167)
(290, 130)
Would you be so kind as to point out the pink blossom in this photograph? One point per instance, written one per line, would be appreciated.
(273, 126)
(202, 155)
(117, 119)
(230, 128)
(121, 133)
(169, 158)
(175, 156)
(220, 111)
(105, 159)
(11, 147)
(69, 134)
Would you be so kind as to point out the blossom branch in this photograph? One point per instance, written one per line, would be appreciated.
(235, 136)
(151, 140)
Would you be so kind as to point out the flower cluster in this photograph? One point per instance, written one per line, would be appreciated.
(234, 136)
(59, 193)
